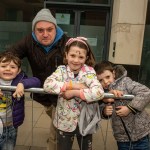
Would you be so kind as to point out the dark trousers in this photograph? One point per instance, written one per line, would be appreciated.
(65, 140)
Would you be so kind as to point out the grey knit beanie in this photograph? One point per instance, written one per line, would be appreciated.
(43, 15)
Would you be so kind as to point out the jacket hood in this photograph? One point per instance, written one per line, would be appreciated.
(20, 76)
(120, 72)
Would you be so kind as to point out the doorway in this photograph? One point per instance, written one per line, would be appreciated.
(82, 19)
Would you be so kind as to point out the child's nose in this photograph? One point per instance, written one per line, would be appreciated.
(105, 81)
(76, 59)
(7, 68)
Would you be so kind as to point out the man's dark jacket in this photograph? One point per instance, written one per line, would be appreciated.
(42, 63)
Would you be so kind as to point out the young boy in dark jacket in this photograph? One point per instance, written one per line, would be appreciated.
(12, 103)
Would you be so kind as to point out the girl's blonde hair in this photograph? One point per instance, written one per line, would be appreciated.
(80, 42)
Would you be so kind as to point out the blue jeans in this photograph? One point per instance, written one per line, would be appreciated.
(8, 138)
(65, 140)
(142, 144)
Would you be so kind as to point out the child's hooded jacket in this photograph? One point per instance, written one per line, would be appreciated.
(69, 113)
(137, 124)
(18, 112)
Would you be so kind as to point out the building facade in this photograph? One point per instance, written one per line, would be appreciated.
(117, 30)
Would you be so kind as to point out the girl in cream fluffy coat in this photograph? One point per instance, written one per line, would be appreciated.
(77, 86)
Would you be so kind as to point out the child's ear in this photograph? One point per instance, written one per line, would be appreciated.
(87, 57)
(19, 70)
(66, 55)
(114, 74)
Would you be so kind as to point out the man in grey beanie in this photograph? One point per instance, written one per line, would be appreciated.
(44, 50)
(44, 15)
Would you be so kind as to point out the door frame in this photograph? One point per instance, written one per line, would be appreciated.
(78, 7)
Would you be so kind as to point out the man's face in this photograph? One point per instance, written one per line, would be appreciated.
(45, 32)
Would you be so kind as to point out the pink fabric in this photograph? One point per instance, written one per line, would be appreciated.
(80, 39)
(82, 95)
(63, 89)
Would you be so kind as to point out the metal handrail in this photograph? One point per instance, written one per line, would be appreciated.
(41, 91)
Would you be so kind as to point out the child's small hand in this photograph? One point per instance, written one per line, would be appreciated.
(108, 110)
(79, 86)
(67, 94)
(19, 91)
(108, 100)
(116, 93)
(122, 111)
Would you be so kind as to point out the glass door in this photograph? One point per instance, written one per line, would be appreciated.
(92, 26)
(65, 20)
(89, 20)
